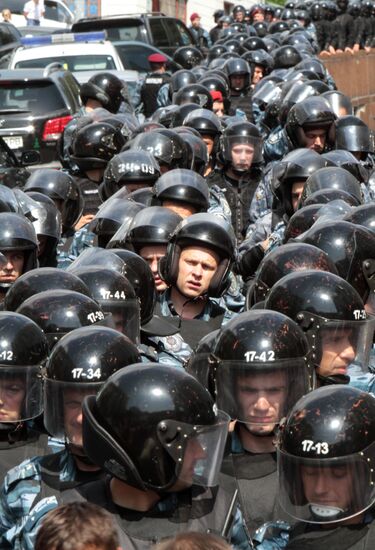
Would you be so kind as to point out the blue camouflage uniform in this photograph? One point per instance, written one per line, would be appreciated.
(20, 513)
(67, 252)
(163, 98)
(174, 350)
(277, 145)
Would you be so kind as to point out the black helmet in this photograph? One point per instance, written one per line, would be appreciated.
(216, 82)
(188, 56)
(106, 88)
(95, 144)
(46, 220)
(183, 186)
(362, 215)
(17, 233)
(8, 200)
(287, 259)
(325, 196)
(132, 166)
(203, 230)
(165, 407)
(115, 295)
(254, 43)
(39, 280)
(200, 363)
(181, 113)
(345, 159)
(261, 28)
(353, 135)
(332, 177)
(60, 187)
(302, 220)
(78, 365)
(200, 152)
(241, 132)
(113, 215)
(339, 102)
(328, 439)
(24, 350)
(129, 264)
(286, 56)
(312, 112)
(350, 247)
(296, 166)
(205, 121)
(239, 67)
(180, 79)
(254, 352)
(260, 58)
(58, 312)
(194, 93)
(216, 51)
(167, 147)
(332, 314)
(153, 226)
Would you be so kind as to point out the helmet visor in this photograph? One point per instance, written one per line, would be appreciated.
(63, 404)
(244, 150)
(324, 490)
(345, 347)
(354, 139)
(260, 394)
(21, 396)
(125, 315)
(196, 450)
(98, 256)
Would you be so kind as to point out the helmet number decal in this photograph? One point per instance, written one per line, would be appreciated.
(6, 355)
(134, 167)
(95, 316)
(88, 374)
(359, 314)
(263, 356)
(320, 448)
(118, 295)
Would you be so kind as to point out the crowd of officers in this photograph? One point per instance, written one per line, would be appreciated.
(186, 325)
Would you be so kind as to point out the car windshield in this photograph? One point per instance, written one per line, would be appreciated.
(36, 97)
(73, 63)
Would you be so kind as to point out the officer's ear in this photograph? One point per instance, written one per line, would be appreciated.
(168, 265)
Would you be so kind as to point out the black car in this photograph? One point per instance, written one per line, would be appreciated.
(134, 56)
(163, 32)
(10, 38)
(35, 106)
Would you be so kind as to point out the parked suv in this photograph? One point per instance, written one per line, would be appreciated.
(163, 32)
(35, 106)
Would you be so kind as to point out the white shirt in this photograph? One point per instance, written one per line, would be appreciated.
(34, 11)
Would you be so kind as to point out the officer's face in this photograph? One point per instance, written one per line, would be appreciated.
(193, 453)
(258, 74)
(237, 82)
(258, 16)
(218, 108)
(12, 394)
(315, 140)
(196, 267)
(338, 352)
(239, 16)
(329, 486)
(261, 399)
(14, 266)
(296, 193)
(73, 399)
(183, 209)
(209, 141)
(152, 255)
(242, 156)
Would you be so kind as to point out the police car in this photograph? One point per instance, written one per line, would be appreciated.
(74, 52)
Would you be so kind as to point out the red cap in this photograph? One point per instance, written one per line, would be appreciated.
(157, 58)
(216, 95)
(194, 15)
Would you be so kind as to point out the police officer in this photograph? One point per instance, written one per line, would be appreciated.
(170, 484)
(325, 456)
(22, 357)
(260, 368)
(18, 245)
(152, 83)
(77, 367)
(241, 153)
(239, 74)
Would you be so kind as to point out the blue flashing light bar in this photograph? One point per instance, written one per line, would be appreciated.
(64, 38)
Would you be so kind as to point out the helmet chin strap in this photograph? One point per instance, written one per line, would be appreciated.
(334, 379)
(82, 457)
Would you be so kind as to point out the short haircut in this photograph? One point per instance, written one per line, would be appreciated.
(193, 541)
(77, 526)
